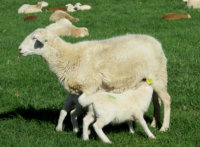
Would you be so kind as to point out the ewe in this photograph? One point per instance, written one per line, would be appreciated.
(106, 107)
(113, 65)
(59, 14)
(64, 27)
(27, 8)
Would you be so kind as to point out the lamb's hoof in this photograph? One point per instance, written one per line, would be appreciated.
(58, 129)
(152, 137)
(164, 129)
(153, 124)
(108, 142)
(75, 130)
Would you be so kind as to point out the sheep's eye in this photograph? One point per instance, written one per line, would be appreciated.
(34, 38)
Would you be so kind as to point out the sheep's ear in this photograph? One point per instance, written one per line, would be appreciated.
(39, 44)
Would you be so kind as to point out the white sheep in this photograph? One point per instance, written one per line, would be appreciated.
(27, 8)
(105, 108)
(79, 6)
(71, 8)
(193, 3)
(64, 27)
(59, 14)
(113, 65)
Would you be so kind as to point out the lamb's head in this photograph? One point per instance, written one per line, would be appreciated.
(36, 42)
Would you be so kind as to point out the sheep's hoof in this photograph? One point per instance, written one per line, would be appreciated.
(164, 129)
(108, 142)
(75, 130)
(152, 137)
(58, 129)
(153, 123)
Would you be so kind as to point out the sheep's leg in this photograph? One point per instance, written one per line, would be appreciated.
(145, 127)
(98, 125)
(63, 113)
(156, 104)
(130, 125)
(74, 116)
(166, 102)
(87, 120)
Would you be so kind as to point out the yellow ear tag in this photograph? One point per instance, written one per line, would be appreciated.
(149, 81)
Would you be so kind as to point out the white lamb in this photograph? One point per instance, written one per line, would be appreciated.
(193, 4)
(71, 8)
(79, 6)
(27, 8)
(106, 107)
(64, 27)
(113, 65)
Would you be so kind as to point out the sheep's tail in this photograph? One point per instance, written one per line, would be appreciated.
(84, 100)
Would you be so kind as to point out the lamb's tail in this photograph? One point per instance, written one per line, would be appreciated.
(84, 100)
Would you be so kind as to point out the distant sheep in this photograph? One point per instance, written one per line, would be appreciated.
(57, 15)
(71, 8)
(79, 6)
(113, 65)
(27, 8)
(174, 16)
(193, 4)
(64, 27)
(106, 107)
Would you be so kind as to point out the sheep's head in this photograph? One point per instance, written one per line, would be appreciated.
(43, 4)
(35, 42)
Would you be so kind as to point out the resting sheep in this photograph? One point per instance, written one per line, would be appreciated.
(79, 6)
(113, 65)
(64, 27)
(59, 14)
(27, 8)
(193, 3)
(106, 107)
(71, 8)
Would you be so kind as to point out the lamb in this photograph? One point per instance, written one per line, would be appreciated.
(106, 107)
(71, 8)
(79, 6)
(59, 14)
(193, 3)
(64, 27)
(27, 8)
(113, 65)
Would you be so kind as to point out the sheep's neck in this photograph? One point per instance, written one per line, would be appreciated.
(62, 61)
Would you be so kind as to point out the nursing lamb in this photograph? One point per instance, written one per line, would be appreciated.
(106, 107)
(113, 65)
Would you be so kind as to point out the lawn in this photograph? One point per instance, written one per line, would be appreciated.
(31, 96)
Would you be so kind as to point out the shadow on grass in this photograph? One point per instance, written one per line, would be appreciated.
(51, 115)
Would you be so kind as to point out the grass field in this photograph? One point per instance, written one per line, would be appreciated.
(31, 97)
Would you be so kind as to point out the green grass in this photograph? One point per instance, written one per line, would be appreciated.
(31, 97)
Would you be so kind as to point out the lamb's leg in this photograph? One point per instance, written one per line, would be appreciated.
(63, 113)
(130, 125)
(98, 125)
(145, 127)
(74, 116)
(87, 120)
